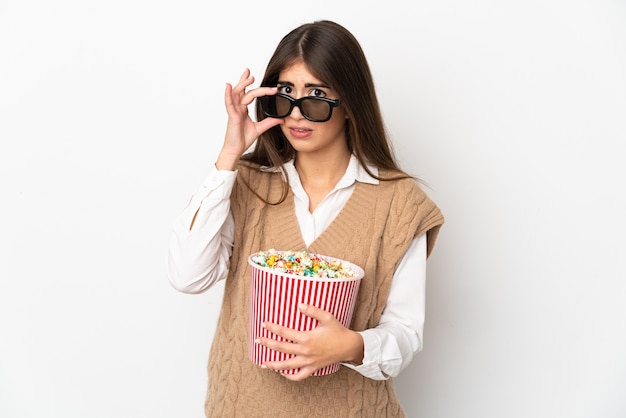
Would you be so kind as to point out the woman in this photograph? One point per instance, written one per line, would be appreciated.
(321, 177)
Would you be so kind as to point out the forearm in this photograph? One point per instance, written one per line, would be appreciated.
(392, 344)
(202, 236)
(386, 352)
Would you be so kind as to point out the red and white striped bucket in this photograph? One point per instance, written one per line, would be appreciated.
(275, 296)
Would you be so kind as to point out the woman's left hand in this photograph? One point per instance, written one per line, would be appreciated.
(330, 342)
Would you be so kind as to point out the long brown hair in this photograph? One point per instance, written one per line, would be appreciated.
(332, 54)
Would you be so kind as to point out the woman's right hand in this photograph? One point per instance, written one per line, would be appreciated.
(241, 130)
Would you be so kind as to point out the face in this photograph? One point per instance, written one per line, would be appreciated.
(304, 135)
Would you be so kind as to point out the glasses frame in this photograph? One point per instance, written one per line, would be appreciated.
(298, 103)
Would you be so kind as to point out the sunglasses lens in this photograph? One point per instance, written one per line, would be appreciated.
(282, 106)
(315, 109)
(268, 105)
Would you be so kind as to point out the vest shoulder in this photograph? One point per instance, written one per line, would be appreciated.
(408, 186)
(248, 171)
(253, 180)
(407, 194)
(247, 167)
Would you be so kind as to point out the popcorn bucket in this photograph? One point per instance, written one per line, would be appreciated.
(275, 296)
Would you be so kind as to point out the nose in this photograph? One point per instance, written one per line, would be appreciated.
(296, 113)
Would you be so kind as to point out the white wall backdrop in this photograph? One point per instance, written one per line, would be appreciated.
(513, 112)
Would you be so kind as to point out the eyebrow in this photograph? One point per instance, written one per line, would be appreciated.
(290, 84)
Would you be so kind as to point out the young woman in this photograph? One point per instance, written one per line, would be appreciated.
(321, 177)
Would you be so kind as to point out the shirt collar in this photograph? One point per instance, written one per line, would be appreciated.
(355, 172)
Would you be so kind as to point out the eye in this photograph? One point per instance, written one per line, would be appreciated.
(318, 93)
(285, 89)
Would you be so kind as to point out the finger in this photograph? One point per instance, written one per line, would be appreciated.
(289, 364)
(300, 375)
(263, 91)
(316, 313)
(228, 95)
(253, 94)
(246, 80)
(285, 347)
(287, 333)
(266, 124)
(232, 102)
(244, 75)
(304, 369)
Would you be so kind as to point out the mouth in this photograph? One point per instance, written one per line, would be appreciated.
(300, 132)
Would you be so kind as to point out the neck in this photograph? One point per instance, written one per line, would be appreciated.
(318, 170)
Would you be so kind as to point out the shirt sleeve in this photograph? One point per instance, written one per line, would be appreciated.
(201, 240)
(391, 345)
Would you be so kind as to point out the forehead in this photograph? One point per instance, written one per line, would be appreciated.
(298, 74)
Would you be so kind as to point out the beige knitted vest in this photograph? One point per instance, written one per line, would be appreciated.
(373, 230)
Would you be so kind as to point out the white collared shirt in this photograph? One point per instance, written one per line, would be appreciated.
(200, 257)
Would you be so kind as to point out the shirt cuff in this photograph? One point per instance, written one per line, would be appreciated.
(217, 184)
(371, 365)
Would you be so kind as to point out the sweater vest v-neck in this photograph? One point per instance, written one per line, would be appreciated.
(373, 230)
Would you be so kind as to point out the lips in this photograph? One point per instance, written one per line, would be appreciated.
(300, 132)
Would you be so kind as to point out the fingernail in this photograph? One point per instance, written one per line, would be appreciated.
(263, 325)
(302, 307)
(263, 366)
(257, 341)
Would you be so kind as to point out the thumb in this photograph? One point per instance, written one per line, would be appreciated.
(266, 124)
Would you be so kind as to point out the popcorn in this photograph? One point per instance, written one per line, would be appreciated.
(303, 263)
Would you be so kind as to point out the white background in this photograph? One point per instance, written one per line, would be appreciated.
(513, 112)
